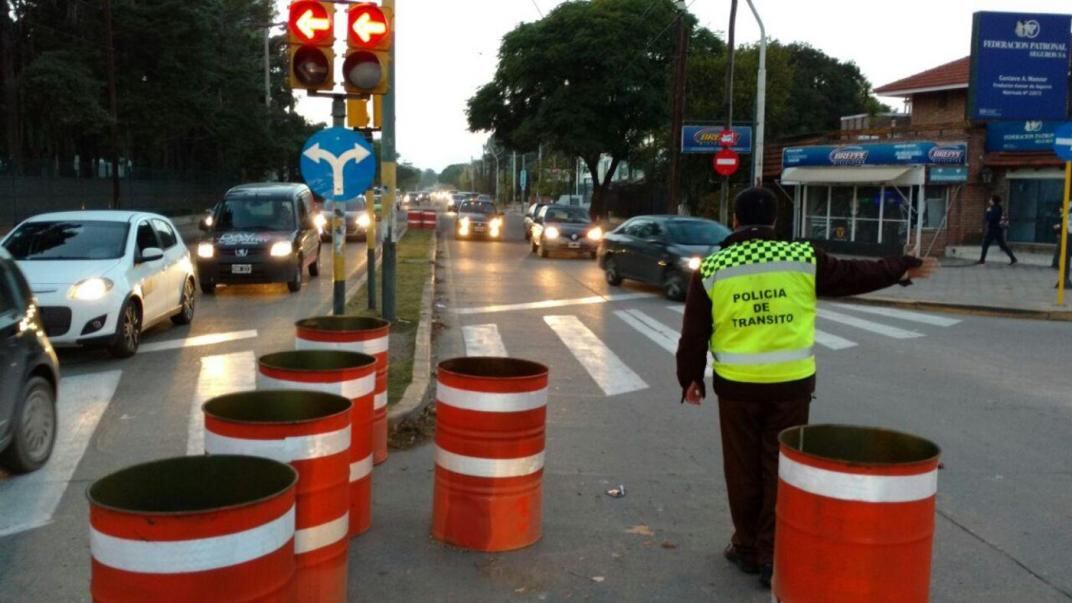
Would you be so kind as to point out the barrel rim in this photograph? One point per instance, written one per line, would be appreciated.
(538, 369)
(311, 323)
(268, 392)
(782, 436)
(265, 360)
(192, 512)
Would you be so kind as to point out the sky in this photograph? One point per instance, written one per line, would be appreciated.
(447, 49)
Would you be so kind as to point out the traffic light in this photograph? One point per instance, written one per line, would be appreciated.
(368, 44)
(310, 34)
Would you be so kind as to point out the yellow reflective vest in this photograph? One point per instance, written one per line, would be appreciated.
(763, 306)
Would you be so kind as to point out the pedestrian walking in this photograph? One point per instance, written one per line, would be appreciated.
(995, 230)
(753, 305)
(1068, 252)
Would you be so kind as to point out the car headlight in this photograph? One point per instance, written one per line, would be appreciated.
(363, 219)
(595, 234)
(496, 223)
(320, 222)
(282, 248)
(692, 263)
(206, 250)
(209, 221)
(550, 233)
(91, 289)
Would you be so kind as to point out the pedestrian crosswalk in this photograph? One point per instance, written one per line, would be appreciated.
(603, 365)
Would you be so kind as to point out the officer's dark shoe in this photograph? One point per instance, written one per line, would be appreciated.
(766, 572)
(744, 560)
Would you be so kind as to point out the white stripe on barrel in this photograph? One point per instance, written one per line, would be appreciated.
(361, 469)
(366, 346)
(350, 389)
(325, 534)
(490, 401)
(196, 555)
(857, 487)
(285, 450)
(484, 467)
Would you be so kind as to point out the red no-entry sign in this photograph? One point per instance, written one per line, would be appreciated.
(726, 162)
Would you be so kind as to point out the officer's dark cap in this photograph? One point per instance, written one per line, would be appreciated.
(755, 207)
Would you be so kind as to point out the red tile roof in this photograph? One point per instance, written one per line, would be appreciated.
(950, 75)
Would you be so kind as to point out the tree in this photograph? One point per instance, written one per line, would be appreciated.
(454, 174)
(590, 78)
(429, 178)
(407, 177)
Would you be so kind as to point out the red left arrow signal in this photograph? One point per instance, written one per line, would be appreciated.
(311, 22)
(367, 26)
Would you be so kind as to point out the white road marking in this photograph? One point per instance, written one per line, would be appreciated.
(663, 336)
(553, 303)
(220, 374)
(677, 308)
(608, 371)
(483, 340)
(200, 340)
(868, 325)
(29, 501)
(831, 341)
(927, 319)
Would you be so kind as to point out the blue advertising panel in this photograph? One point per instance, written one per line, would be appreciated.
(704, 139)
(1019, 66)
(1062, 142)
(902, 153)
(1020, 135)
(940, 174)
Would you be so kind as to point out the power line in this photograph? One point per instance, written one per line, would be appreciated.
(537, 8)
(668, 25)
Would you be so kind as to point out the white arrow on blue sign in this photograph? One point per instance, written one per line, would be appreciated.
(1062, 141)
(338, 164)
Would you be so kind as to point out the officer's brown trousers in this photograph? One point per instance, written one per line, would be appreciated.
(750, 462)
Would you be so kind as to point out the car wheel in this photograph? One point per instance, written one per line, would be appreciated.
(610, 270)
(592, 255)
(543, 251)
(295, 285)
(208, 288)
(186, 315)
(528, 234)
(314, 268)
(674, 287)
(534, 246)
(34, 428)
(128, 332)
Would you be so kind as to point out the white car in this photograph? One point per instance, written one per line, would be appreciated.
(103, 277)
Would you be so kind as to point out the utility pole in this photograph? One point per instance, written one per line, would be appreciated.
(390, 177)
(724, 205)
(761, 101)
(338, 226)
(677, 106)
(513, 177)
(267, 73)
(113, 103)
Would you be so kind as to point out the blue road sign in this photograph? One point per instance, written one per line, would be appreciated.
(338, 164)
(1062, 141)
(524, 179)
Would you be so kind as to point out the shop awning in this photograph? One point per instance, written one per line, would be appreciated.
(904, 175)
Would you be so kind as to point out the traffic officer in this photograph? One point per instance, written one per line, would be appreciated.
(752, 304)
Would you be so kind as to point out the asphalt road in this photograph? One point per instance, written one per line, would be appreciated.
(993, 393)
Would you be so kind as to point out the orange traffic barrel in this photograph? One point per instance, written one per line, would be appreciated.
(428, 219)
(364, 335)
(490, 421)
(855, 515)
(311, 431)
(414, 218)
(193, 529)
(347, 374)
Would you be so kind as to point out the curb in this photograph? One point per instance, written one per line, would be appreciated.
(413, 399)
(971, 309)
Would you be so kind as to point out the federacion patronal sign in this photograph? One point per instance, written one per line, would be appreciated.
(1062, 141)
(338, 164)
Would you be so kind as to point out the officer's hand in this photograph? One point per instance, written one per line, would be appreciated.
(924, 270)
(693, 395)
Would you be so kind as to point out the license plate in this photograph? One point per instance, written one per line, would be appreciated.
(478, 227)
(574, 245)
(241, 268)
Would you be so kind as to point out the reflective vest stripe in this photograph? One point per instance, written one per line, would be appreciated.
(764, 357)
(750, 269)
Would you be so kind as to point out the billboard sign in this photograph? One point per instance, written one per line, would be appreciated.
(1029, 135)
(904, 153)
(705, 139)
(1019, 66)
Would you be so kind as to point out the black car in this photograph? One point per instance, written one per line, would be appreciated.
(530, 217)
(260, 233)
(477, 219)
(659, 250)
(29, 375)
(565, 228)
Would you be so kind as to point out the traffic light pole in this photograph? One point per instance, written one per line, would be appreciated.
(387, 142)
(338, 225)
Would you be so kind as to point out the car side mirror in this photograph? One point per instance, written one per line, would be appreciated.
(151, 254)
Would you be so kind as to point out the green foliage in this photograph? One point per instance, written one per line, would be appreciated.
(454, 174)
(408, 177)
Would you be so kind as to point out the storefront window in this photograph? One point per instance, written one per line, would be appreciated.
(1034, 207)
(936, 201)
(815, 221)
(841, 213)
(868, 202)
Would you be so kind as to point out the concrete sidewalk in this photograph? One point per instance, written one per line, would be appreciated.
(993, 288)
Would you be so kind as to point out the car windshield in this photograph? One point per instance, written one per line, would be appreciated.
(566, 214)
(255, 214)
(68, 240)
(353, 205)
(697, 232)
(474, 207)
